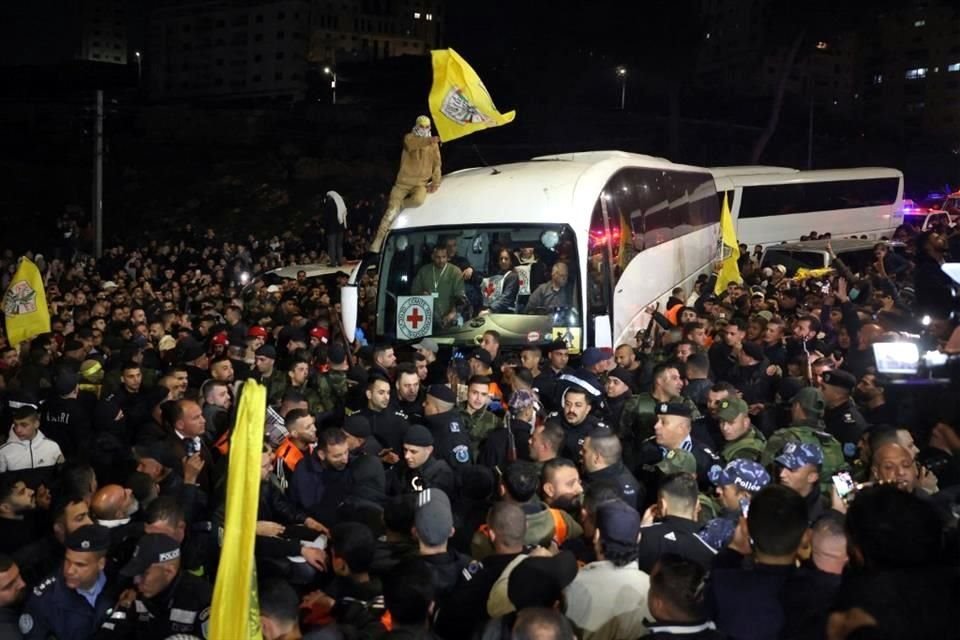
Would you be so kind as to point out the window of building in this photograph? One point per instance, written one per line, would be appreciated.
(416, 15)
(919, 23)
(953, 67)
(878, 78)
(915, 107)
(823, 46)
(429, 17)
(916, 74)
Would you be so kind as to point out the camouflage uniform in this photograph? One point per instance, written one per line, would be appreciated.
(479, 425)
(750, 445)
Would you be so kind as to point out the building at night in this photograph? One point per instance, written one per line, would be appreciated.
(268, 49)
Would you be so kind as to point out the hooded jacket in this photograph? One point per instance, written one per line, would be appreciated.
(19, 454)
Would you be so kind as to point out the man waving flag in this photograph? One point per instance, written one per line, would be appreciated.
(729, 250)
(459, 102)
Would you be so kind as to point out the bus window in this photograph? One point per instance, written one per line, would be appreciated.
(419, 296)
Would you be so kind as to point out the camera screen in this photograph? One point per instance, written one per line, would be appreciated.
(896, 357)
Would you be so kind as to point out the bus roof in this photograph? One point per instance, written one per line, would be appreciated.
(728, 178)
(755, 170)
(561, 188)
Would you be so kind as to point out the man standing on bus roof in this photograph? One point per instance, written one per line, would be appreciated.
(444, 282)
(419, 174)
(553, 294)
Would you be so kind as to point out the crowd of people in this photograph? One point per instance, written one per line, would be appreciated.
(740, 470)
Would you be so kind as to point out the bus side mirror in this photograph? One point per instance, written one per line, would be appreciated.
(349, 305)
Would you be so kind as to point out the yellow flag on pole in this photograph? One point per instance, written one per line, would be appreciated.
(235, 613)
(459, 102)
(25, 304)
(729, 250)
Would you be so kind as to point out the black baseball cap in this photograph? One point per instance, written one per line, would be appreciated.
(152, 549)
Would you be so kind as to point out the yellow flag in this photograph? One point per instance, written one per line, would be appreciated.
(459, 102)
(806, 274)
(25, 305)
(235, 614)
(729, 250)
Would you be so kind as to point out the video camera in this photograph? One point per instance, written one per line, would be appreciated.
(917, 358)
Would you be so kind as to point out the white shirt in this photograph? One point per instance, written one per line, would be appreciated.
(605, 602)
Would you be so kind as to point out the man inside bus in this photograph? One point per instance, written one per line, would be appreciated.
(444, 282)
(553, 294)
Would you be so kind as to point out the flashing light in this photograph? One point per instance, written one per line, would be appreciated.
(244, 277)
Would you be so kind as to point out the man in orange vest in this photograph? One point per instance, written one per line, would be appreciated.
(301, 438)
(519, 484)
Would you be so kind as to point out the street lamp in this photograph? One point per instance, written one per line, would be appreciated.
(333, 82)
(136, 54)
(622, 74)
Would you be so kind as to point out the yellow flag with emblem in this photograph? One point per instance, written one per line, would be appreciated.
(235, 613)
(25, 304)
(729, 250)
(459, 102)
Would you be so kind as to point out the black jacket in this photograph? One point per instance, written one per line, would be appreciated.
(451, 441)
(673, 535)
(620, 478)
(388, 427)
(433, 474)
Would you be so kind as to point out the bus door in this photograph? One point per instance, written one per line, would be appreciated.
(603, 253)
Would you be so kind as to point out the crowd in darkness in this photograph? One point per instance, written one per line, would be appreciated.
(741, 469)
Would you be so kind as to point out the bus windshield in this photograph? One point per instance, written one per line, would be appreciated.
(454, 284)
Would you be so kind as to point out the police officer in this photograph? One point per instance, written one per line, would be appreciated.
(446, 424)
(743, 440)
(420, 469)
(736, 484)
(842, 418)
(577, 420)
(672, 431)
(75, 601)
(167, 600)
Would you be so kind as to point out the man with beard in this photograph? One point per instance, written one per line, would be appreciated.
(560, 485)
(409, 398)
(871, 398)
(577, 421)
(12, 592)
(327, 479)
(618, 389)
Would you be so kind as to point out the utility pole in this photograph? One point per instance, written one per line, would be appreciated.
(810, 135)
(98, 177)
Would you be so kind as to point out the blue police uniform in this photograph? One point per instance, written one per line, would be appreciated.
(54, 609)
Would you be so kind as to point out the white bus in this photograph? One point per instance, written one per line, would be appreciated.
(630, 228)
(777, 204)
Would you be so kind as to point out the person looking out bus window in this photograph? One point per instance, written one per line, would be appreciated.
(500, 290)
(553, 294)
(444, 282)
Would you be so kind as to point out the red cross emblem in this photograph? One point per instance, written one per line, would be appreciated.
(415, 318)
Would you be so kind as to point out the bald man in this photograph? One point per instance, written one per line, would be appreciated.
(112, 505)
(861, 358)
